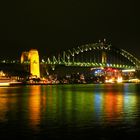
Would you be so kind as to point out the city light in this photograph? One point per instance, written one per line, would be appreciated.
(119, 80)
(129, 70)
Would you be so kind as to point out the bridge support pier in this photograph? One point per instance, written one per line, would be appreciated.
(104, 57)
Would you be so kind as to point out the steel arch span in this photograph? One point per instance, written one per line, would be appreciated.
(95, 55)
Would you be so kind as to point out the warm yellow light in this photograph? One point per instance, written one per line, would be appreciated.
(119, 80)
(24, 57)
(109, 80)
(34, 62)
(2, 73)
(5, 84)
(129, 70)
(33, 57)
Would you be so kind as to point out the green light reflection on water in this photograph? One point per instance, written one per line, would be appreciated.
(70, 105)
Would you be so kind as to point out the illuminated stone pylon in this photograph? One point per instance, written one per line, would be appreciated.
(34, 62)
(33, 58)
(24, 57)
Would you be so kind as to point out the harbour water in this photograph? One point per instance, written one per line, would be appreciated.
(99, 111)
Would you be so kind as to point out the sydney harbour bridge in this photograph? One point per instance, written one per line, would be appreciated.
(99, 55)
(95, 55)
(100, 59)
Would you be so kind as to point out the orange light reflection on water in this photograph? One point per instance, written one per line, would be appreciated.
(37, 103)
(113, 106)
(7, 101)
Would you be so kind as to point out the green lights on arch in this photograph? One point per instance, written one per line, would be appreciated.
(74, 57)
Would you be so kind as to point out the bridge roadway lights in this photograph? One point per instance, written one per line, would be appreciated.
(88, 64)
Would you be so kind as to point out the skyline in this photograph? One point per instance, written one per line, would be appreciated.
(52, 27)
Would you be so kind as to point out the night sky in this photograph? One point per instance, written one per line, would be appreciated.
(52, 26)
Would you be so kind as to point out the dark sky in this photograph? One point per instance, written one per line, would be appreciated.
(55, 25)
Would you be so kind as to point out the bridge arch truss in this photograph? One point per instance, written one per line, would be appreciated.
(91, 55)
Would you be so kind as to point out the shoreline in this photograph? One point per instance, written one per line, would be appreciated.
(31, 84)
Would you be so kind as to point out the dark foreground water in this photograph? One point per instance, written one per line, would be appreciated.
(104, 111)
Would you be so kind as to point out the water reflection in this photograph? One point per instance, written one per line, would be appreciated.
(66, 108)
(8, 103)
(34, 105)
(3, 106)
(113, 108)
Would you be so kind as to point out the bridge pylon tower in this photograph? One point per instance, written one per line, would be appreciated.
(32, 57)
(104, 57)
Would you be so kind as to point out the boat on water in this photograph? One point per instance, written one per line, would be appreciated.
(3, 84)
(4, 81)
